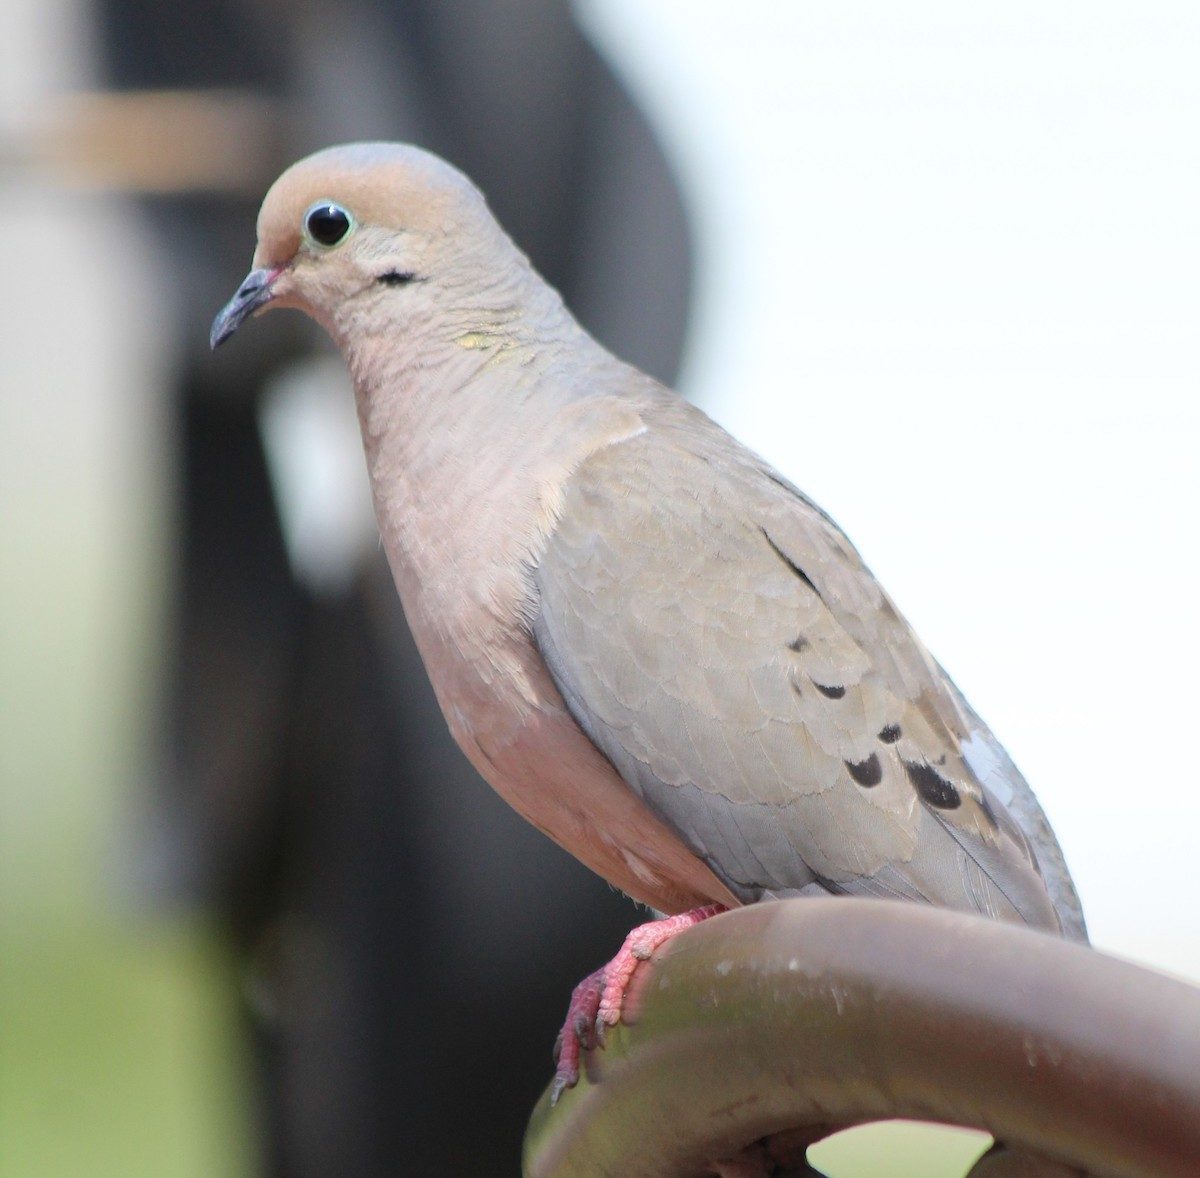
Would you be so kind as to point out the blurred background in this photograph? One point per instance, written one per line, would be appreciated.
(937, 262)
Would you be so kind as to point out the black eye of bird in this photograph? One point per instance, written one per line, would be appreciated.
(327, 224)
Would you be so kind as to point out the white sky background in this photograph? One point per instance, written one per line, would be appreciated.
(950, 284)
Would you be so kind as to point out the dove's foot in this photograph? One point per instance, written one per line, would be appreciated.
(578, 1033)
(639, 946)
(597, 1002)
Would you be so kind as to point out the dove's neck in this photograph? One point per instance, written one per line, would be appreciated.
(472, 417)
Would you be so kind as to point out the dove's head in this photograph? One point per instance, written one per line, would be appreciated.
(367, 234)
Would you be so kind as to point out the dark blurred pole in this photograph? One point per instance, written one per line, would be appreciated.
(410, 943)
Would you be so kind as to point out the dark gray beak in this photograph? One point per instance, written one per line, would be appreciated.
(252, 294)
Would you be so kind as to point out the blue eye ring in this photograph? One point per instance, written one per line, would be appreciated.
(327, 224)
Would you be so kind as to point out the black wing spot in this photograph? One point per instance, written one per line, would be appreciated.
(931, 786)
(890, 734)
(867, 773)
(800, 643)
(787, 560)
(830, 692)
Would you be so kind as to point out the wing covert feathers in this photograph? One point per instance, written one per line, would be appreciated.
(720, 640)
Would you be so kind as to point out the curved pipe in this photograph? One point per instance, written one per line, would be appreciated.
(783, 1017)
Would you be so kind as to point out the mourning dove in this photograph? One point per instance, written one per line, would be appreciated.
(645, 638)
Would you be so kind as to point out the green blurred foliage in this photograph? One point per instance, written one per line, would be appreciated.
(118, 1054)
(899, 1149)
(120, 1050)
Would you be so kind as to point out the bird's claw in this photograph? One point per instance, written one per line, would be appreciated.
(578, 1033)
(598, 1002)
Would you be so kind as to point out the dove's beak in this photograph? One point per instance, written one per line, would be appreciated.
(253, 294)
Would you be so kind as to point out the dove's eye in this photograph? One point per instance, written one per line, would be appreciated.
(327, 224)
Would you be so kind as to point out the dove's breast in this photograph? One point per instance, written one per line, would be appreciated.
(507, 716)
(461, 543)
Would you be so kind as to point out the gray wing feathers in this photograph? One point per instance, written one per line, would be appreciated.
(995, 769)
(721, 642)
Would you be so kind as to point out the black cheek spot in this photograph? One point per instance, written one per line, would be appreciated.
(397, 278)
(931, 786)
(890, 734)
(867, 773)
(833, 692)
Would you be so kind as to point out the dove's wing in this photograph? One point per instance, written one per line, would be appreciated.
(722, 643)
(992, 765)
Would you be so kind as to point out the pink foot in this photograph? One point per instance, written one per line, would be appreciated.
(597, 1002)
(578, 1032)
(639, 946)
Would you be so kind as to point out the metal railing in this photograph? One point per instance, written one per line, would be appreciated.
(767, 1028)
